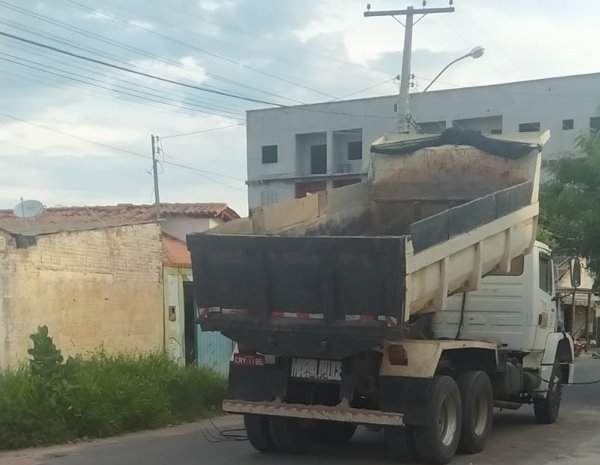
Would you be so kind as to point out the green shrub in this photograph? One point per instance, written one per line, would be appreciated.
(53, 401)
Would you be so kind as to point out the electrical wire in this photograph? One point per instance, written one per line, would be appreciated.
(202, 131)
(112, 147)
(139, 73)
(114, 88)
(184, 84)
(462, 315)
(90, 68)
(130, 48)
(198, 49)
(87, 91)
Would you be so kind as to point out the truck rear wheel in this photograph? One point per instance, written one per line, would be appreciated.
(332, 432)
(289, 435)
(400, 441)
(546, 410)
(477, 409)
(437, 441)
(259, 433)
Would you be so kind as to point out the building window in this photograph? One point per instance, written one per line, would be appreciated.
(568, 124)
(432, 127)
(496, 131)
(595, 123)
(268, 197)
(318, 159)
(269, 154)
(529, 127)
(355, 150)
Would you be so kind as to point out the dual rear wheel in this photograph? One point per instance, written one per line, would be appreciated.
(280, 434)
(460, 419)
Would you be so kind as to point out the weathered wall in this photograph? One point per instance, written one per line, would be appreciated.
(91, 288)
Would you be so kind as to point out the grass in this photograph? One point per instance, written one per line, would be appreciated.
(103, 395)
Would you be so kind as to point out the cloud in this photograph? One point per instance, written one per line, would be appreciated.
(305, 51)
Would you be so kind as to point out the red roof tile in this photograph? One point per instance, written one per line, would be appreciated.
(59, 219)
(175, 252)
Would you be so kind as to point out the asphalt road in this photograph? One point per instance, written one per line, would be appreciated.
(516, 439)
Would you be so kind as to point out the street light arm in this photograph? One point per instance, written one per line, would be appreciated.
(444, 69)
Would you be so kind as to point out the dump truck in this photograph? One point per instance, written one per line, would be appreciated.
(413, 302)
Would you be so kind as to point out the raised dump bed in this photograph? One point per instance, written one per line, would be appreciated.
(338, 272)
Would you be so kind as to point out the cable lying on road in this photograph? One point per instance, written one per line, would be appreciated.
(223, 435)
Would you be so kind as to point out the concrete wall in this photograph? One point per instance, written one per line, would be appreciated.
(91, 288)
(547, 101)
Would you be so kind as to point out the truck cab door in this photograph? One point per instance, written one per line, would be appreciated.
(544, 311)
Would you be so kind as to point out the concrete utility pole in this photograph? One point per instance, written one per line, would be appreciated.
(403, 107)
(154, 140)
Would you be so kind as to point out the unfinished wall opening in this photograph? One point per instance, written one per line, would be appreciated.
(484, 124)
(311, 153)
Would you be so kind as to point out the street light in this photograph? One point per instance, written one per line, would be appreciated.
(477, 52)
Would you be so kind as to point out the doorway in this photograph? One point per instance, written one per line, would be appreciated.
(189, 323)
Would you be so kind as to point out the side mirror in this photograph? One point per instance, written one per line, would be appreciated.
(575, 272)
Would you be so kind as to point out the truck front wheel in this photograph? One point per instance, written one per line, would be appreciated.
(437, 441)
(259, 433)
(477, 408)
(289, 435)
(546, 410)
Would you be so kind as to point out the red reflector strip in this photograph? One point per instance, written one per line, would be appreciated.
(235, 311)
(297, 315)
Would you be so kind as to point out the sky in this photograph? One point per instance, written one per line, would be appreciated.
(74, 132)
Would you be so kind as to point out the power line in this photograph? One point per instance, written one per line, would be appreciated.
(130, 48)
(130, 94)
(201, 107)
(329, 57)
(112, 147)
(139, 73)
(201, 50)
(201, 131)
(365, 89)
(90, 68)
(183, 84)
(88, 91)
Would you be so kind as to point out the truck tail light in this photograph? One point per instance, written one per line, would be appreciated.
(397, 355)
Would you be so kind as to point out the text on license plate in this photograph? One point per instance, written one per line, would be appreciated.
(329, 370)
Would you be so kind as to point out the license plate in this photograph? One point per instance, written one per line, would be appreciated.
(249, 360)
(326, 370)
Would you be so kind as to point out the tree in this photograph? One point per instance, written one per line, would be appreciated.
(570, 202)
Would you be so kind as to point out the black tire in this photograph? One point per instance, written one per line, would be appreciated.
(546, 410)
(259, 433)
(332, 432)
(289, 436)
(477, 410)
(400, 441)
(437, 441)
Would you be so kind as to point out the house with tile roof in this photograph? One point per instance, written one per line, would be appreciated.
(110, 277)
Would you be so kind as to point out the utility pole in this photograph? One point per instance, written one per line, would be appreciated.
(403, 105)
(154, 140)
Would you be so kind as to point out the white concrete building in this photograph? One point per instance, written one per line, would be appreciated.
(308, 148)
